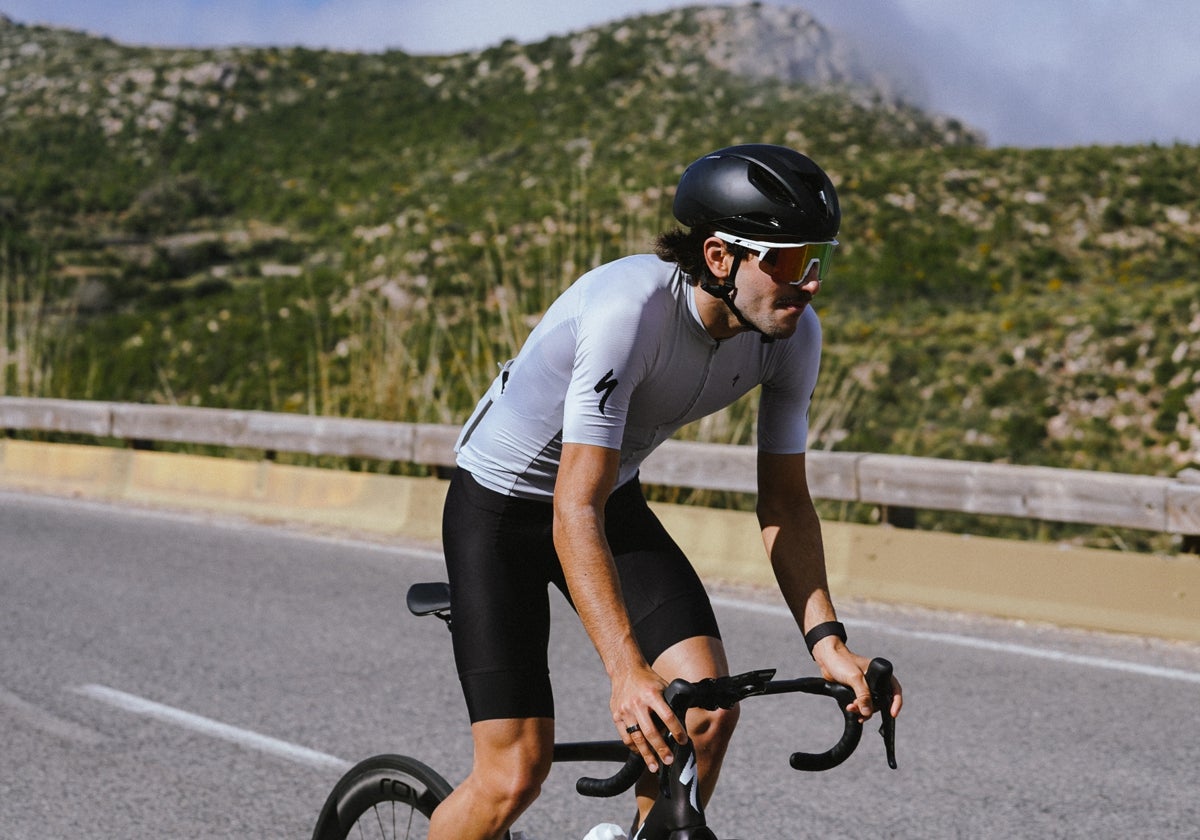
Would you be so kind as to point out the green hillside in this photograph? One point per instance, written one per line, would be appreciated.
(369, 234)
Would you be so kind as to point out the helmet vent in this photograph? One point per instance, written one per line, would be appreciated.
(769, 185)
(765, 219)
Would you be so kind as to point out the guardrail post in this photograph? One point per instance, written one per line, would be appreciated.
(1191, 542)
(898, 516)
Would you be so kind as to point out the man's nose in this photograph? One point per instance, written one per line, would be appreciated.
(811, 281)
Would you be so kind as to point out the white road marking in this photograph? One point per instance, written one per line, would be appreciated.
(216, 729)
(986, 644)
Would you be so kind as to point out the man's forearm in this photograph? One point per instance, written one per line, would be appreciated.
(797, 555)
(595, 588)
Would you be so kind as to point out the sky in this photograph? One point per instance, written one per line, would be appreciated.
(1026, 72)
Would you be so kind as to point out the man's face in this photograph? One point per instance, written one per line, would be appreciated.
(767, 296)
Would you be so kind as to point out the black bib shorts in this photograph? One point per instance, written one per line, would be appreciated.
(500, 559)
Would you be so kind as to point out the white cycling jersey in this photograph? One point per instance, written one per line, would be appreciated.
(622, 360)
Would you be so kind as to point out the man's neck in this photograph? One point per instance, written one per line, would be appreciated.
(716, 316)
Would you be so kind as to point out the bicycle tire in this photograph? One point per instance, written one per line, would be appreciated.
(386, 796)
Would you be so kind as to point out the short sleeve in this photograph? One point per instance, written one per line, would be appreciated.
(787, 391)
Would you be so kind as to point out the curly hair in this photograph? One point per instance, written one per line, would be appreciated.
(685, 248)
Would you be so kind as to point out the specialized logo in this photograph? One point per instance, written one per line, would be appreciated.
(688, 776)
(606, 386)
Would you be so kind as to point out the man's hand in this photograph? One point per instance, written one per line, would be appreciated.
(641, 714)
(839, 664)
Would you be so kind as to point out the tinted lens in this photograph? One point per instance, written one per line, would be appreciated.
(791, 265)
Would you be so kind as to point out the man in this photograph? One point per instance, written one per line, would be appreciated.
(547, 489)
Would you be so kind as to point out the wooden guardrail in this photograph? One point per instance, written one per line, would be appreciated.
(1166, 505)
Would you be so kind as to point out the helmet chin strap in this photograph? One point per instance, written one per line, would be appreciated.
(727, 291)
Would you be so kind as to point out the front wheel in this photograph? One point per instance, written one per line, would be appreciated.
(386, 796)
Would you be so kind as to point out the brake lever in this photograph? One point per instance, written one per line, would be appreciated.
(879, 680)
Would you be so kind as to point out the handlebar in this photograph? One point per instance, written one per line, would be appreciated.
(724, 692)
(879, 680)
(619, 782)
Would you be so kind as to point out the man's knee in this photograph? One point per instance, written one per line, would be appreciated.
(511, 793)
(510, 771)
(711, 730)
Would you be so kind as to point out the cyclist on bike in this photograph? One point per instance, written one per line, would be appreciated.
(547, 490)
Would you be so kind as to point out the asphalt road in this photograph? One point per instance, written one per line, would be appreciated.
(168, 676)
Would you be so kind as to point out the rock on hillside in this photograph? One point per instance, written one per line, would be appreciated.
(763, 41)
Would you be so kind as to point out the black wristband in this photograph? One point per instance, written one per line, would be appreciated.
(821, 631)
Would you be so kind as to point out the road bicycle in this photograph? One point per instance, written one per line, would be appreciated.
(393, 796)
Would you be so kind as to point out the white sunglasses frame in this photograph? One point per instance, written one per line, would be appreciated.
(762, 248)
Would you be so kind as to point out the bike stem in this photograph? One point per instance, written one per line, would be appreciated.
(678, 813)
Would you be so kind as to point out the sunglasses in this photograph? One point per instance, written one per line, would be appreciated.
(791, 261)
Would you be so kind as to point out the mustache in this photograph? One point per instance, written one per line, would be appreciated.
(797, 299)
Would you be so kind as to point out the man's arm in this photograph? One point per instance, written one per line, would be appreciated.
(586, 477)
(791, 532)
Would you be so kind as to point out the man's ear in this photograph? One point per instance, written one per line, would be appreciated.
(717, 256)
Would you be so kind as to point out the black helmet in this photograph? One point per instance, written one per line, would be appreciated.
(760, 192)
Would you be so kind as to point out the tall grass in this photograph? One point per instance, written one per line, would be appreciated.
(426, 321)
(32, 317)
